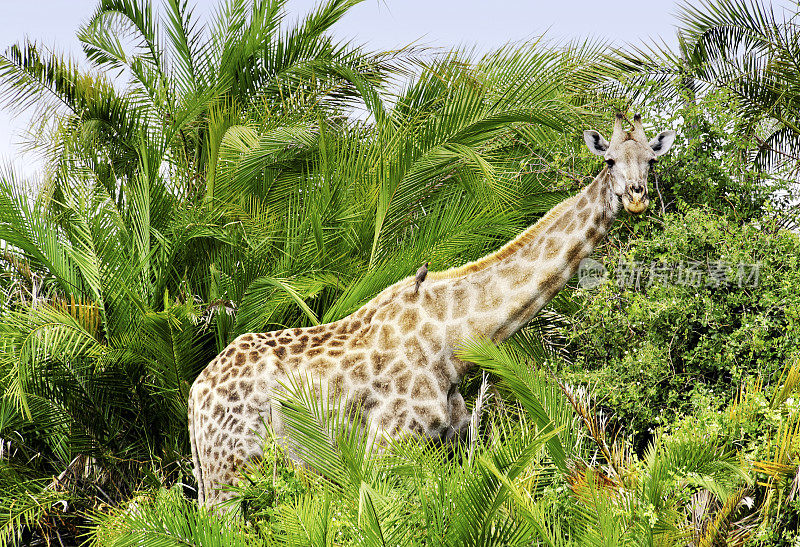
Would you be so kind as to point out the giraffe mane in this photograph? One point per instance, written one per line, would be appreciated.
(512, 246)
(494, 257)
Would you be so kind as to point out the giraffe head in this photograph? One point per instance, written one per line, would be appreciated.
(629, 156)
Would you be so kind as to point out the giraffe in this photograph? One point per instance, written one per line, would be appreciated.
(396, 354)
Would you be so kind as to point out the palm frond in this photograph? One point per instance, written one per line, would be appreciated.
(169, 519)
(540, 396)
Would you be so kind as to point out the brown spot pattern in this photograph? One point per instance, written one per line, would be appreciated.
(401, 383)
(454, 335)
(351, 360)
(490, 299)
(593, 191)
(422, 388)
(359, 373)
(381, 386)
(298, 347)
(313, 352)
(551, 248)
(414, 354)
(409, 320)
(441, 371)
(574, 252)
(379, 361)
(435, 306)
(386, 338)
(551, 283)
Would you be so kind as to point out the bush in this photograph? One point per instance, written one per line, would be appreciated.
(687, 314)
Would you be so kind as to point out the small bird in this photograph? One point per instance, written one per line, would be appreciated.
(421, 275)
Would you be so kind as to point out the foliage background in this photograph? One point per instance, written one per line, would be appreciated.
(254, 174)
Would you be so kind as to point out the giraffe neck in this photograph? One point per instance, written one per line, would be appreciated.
(496, 296)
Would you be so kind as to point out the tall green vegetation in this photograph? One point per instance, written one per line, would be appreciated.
(753, 52)
(103, 326)
(747, 49)
(252, 175)
(205, 200)
(704, 292)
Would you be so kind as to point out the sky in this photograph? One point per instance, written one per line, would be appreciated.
(380, 24)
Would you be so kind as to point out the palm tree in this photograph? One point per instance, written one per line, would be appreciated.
(344, 209)
(227, 189)
(189, 76)
(130, 295)
(617, 497)
(746, 49)
(182, 77)
(500, 489)
(103, 332)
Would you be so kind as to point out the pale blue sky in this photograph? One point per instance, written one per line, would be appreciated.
(383, 24)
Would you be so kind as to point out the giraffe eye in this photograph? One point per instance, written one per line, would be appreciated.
(610, 162)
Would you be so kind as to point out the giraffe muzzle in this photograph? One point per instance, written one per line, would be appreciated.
(635, 203)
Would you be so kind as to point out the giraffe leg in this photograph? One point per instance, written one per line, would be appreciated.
(222, 475)
(210, 465)
(223, 451)
(198, 468)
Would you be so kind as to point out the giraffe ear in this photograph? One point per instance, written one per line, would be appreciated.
(595, 141)
(662, 142)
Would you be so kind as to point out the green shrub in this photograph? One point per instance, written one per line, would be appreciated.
(665, 346)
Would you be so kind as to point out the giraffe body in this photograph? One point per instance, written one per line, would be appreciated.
(395, 356)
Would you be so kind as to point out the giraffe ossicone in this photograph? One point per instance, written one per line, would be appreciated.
(396, 354)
